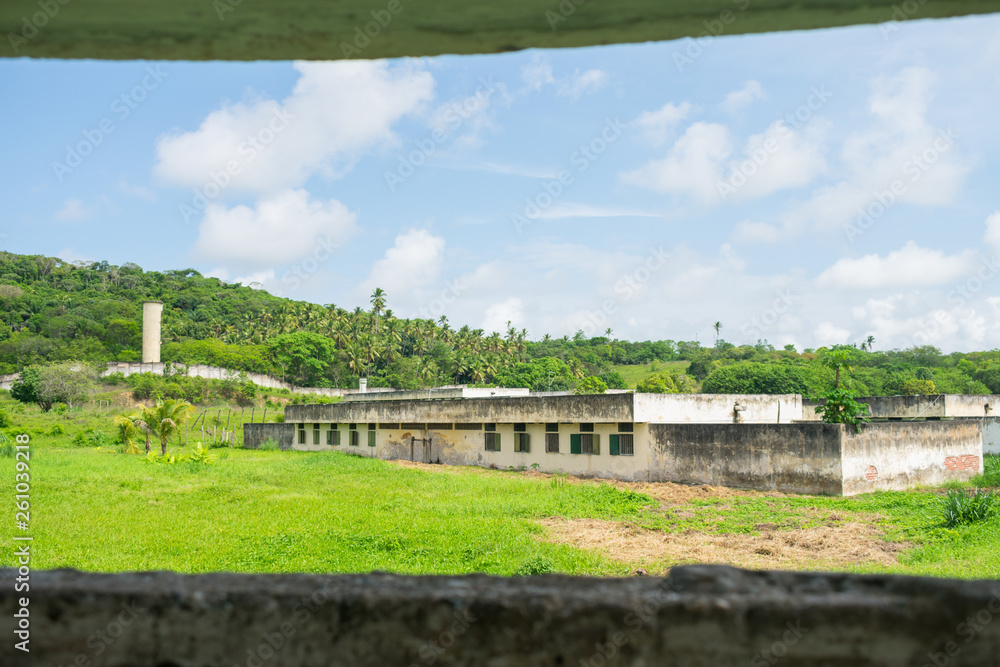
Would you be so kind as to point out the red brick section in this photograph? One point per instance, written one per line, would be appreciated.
(967, 462)
(871, 473)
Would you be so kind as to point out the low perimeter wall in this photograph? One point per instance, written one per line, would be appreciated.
(698, 616)
(817, 458)
(255, 435)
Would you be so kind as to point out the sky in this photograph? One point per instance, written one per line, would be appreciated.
(806, 188)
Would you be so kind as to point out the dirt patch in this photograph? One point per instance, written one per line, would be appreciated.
(820, 547)
(669, 493)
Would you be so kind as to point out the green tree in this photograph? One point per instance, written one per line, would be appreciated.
(659, 383)
(25, 389)
(69, 382)
(918, 387)
(163, 420)
(841, 406)
(305, 357)
(753, 378)
(590, 385)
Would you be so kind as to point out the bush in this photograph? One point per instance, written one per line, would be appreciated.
(842, 407)
(4, 419)
(961, 507)
(113, 379)
(590, 385)
(7, 449)
(660, 383)
(535, 565)
(752, 378)
(92, 438)
(269, 445)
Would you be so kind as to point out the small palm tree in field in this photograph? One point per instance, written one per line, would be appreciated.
(163, 420)
(128, 433)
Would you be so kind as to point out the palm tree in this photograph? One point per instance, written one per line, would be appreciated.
(608, 332)
(163, 420)
(718, 327)
(869, 341)
(128, 432)
(378, 305)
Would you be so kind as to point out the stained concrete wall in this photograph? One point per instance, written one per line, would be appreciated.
(797, 458)
(718, 408)
(255, 435)
(535, 409)
(699, 616)
(625, 407)
(888, 455)
(991, 435)
(938, 406)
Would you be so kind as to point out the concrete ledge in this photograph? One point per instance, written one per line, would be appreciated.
(700, 615)
(334, 29)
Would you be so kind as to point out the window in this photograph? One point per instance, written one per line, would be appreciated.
(389, 427)
(584, 443)
(438, 426)
(552, 427)
(315, 434)
(489, 427)
(492, 442)
(586, 428)
(521, 442)
(468, 427)
(412, 427)
(372, 427)
(624, 427)
(620, 444)
(333, 437)
(302, 434)
(353, 427)
(354, 438)
(520, 428)
(371, 438)
(552, 443)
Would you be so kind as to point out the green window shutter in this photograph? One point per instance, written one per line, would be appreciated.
(497, 441)
(526, 445)
(335, 438)
(371, 438)
(613, 444)
(597, 443)
(574, 443)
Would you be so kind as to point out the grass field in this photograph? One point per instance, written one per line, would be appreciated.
(636, 373)
(269, 511)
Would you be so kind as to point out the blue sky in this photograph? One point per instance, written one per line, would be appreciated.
(806, 188)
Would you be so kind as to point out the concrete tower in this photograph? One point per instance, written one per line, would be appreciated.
(151, 314)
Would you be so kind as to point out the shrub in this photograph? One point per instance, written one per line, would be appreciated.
(6, 446)
(4, 419)
(590, 385)
(841, 407)
(92, 438)
(56, 430)
(961, 507)
(113, 379)
(538, 564)
(269, 445)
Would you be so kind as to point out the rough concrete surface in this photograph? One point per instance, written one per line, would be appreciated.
(699, 615)
(334, 29)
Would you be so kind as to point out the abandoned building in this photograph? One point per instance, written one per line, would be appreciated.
(746, 441)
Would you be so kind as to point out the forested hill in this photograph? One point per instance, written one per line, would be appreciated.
(57, 311)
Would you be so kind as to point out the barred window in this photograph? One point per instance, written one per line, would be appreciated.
(584, 443)
(625, 447)
(333, 437)
(521, 442)
(624, 427)
(371, 438)
(552, 443)
(468, 427)
(552, 427)
(489, 427)
(302, 434)
(586, 428)
(354, 438)
(492, 442)
(520, 428)
(413, 426)
(438, 426)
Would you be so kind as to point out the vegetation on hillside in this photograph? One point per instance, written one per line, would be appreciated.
(53, 312)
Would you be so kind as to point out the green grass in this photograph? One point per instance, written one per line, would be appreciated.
(272, 511)
(634, 374)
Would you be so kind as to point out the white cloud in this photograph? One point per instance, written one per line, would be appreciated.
(411, 264)
(992, 235)
(74, 209)
(738, 100)
(336, 112)
(702, 164)
(280, 228)
(748, 231)
(657, 125)
(910, 266)
(828, 333)
(574, 210)
(901, 146)
(538, 74)
(71, 256)
(138, 191)
(498, 314)
(692, 166)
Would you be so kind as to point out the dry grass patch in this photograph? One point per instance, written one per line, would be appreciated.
(832, 546)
